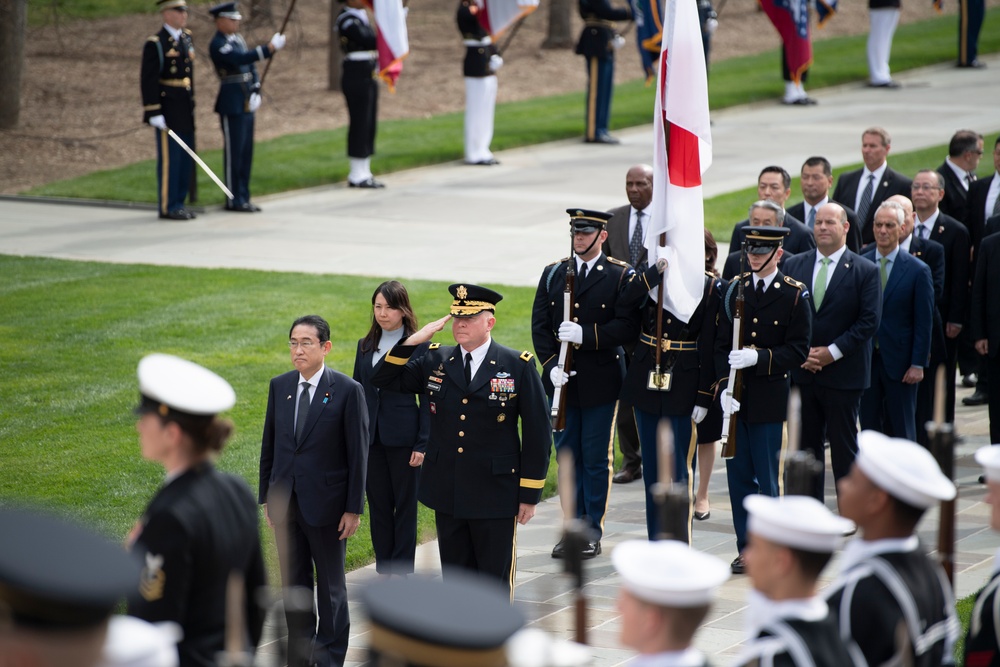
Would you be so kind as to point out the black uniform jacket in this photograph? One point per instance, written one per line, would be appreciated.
(609, 319)
(398, 419)
(477, 56)
(598, 27)
(234, 63)
(477, 465)
(982, 643)
(199, 528)
(167, 80)
(794, 642)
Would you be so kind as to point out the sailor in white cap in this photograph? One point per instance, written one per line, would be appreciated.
(982, 643)
(666, 592)
(201, 528)
(887, 582)
(791, 539)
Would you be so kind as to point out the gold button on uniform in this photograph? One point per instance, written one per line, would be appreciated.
(753, 334)
(464, 401)
(462, 417)
(461, 434)
(460, 450)
(755, 320)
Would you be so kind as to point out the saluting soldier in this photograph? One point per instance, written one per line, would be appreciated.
(776, 328)
(238, 100)
(479, 476)
(887, 583)
(603, 319)
(598, 43)
(686, 374)
(360, 85)
(982, 642)
(167, 83)
(480, 67)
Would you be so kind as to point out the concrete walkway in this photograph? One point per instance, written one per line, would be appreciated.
(502, 225)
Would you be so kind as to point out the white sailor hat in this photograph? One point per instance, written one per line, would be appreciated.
(132, 642)
(668, 573)
(903, 469)
(171, 384)
(532, 647)
(989, 458)
(800, 522)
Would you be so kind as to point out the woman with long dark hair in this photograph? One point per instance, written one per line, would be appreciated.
(398, 431)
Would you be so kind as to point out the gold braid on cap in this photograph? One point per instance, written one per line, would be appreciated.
(420, 652)
(459, 307)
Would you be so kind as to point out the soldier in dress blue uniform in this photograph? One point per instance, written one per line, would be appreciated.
(777, 325)
(479, 476)
(167, 83)
(238, 100)
(201, 528)
(360, 85)
(597, 44)
(970, 22)
(482, 61)
(982, 642)
(791, 541)
(887, 581)
(687, 358)
(603, 319)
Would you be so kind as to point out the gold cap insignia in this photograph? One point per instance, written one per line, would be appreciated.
(461, 292)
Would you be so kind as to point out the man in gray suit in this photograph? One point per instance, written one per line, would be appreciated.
(626, 230)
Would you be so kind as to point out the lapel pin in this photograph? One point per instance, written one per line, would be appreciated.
(289, 397)
(326, 398)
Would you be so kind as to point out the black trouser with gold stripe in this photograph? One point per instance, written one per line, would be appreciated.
(970, 22)
(486, 546)
(173, 171)
(600, 85)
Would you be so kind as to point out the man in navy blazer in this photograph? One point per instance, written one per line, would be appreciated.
(852, 185)
(901, 348)
(815, 181)
(846, 307)
(313, 461)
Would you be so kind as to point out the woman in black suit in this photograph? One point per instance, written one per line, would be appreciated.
(398, 432)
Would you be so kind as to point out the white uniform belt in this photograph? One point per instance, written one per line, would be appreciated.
(361, 55)
(485, 41)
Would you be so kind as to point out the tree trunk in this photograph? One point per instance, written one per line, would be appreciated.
(334, 54)
(559, 35)
(13, 17)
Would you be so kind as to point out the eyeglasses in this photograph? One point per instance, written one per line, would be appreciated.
(305, 344)
(977, 152)
(923, 186)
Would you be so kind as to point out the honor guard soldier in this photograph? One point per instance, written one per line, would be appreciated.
(200, 529)
(775, 332)
(676, 384)
(238, 100)
(59, 585)
(167, 83)
(890, 598)
(480, 476)
(482, 62)
(602, 320)
(791, 541)
(982, 643)
(598, 43)
(666, 592)
(360, 85)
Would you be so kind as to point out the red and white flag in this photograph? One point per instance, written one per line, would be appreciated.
(498, 15)
(392, 39)
(682, 151)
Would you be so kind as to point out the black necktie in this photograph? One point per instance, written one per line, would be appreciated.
(760, 289)
(866, 199)
(583, 274)
(468, 368)
(635, 244)
(300, 419)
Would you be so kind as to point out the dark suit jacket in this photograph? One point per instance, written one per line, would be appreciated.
(976, 219)
(798, 211)
(956, 197)
(618, 238)
(398, 419)
(985, 316)
(904, 333)
(953, 236)
(992, 227)
(892, 183)
(800, 237)
(848, 317)
(326, 471)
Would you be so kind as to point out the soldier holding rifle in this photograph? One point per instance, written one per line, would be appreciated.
(602, 319)
(771, 338)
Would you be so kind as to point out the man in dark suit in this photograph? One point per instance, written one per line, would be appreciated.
(846, 309)
(602, 319)
(959, 171)
(762, 213)
(866, 188)
(775, 184)
(598, 43)
(490, 438)
(903, 343)
(985, 322)
(313, 461)
(776, 331)
(816, 179)
(626, 232)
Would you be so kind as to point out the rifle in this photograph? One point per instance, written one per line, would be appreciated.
(576, 535)
(267, 67)
(658, 380)
(565, 360)
(673, 504)
(801, 467)
(735, 376)
(942, 445)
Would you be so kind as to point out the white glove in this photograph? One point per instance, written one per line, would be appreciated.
(560, 377)
(730, 405)
(496, 62)
(159, 122)
(698, 414)
(254, 101)
(277, 42)
(618, 42)
(744, 358)
(570, 332)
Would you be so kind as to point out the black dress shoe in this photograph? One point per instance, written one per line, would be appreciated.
(738, 566)
(703, 516)
(369, 183)
(592, 549)
(179, 214)
(977, 398)
(887, 84)
(624, 476)
(800, 102)
(244, 208)
(603, 138)
(485, 163)
(559, 550)
(970, 380)
(975, 64)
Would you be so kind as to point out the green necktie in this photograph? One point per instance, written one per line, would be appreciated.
(819, 286)
(882, 270)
